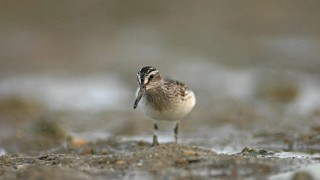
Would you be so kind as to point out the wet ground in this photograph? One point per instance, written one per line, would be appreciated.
(136, 160)
(115, 158)
(258, 135)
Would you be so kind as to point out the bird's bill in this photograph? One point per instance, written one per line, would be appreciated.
(139, 96)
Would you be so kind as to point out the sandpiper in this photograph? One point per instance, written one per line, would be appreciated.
(162, 99)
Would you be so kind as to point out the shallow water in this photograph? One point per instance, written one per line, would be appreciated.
(68, 93)
(312, 170)
(235, 109)
(227, 98)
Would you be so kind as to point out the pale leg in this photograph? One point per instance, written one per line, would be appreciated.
(176, 131)
(155, 132)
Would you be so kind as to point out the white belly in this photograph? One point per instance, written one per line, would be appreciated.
(177, 111)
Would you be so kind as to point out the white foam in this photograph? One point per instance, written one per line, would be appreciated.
(90, 93)
(309, 96)
(2, 152)
(312, 169)
(91, 135)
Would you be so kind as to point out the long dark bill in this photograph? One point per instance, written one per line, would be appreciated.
(140, 94)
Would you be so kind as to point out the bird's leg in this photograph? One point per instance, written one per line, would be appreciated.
(176, 131)
(155, 132)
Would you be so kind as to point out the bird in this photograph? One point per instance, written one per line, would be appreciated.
(162, 99)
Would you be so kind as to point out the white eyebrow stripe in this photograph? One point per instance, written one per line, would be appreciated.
(151, 73)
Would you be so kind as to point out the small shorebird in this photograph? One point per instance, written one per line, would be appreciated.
(162, 99)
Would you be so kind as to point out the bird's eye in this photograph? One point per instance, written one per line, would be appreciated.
(151, 76)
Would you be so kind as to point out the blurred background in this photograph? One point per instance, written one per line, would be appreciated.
(68, 69)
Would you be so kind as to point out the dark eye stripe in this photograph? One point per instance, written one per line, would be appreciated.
(146, 72)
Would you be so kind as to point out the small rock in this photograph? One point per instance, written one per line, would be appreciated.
(76, 142)
(181, 162)
(190, 153)
(22, 166)
(254, 152)
(302, 176)
(120, 162)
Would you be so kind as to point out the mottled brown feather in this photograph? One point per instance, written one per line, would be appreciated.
(165, 96)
